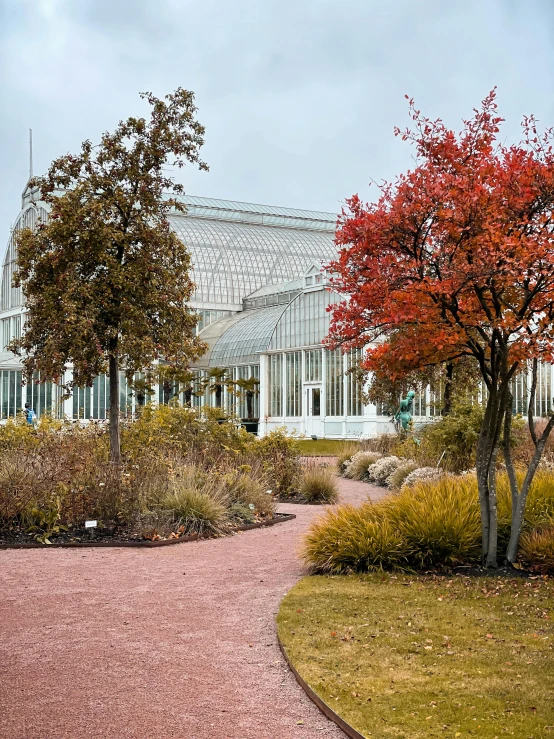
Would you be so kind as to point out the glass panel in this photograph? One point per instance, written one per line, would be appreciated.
(312, 365)
(334, 385)
(294, 384)
(354, 384)
(275, 385)
(316, 401)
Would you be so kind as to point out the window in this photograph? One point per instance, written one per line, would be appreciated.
(10, 393)
(42, 397)
(10, 329)
(275, 381)
(354, 384)
(312, 365)
(94, 401)
(294, 384)
(334, 384)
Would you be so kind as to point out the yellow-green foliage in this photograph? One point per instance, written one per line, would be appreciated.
(439, 521)
(318, 484)
(400, 474)
(537, 549)
(350, 538)
(280, 459)
(411, 657)
(185, 430)
(435, 523)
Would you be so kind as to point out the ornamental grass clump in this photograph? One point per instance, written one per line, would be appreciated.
(198, 505)
(537, 549)
(318, 484)
(434, 524)
(354, 539)
(396, 479)
(439, 522)
(248, 490)
(378, 472)
(357, 468)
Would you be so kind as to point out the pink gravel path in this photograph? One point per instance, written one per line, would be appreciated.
(171, 642)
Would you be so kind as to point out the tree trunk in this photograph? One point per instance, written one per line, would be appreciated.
(518, 515)
(115, 443)
(487, 453)
(485, 446)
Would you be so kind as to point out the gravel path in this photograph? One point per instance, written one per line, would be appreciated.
(171, 642)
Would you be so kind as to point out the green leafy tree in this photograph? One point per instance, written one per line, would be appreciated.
(106, 280)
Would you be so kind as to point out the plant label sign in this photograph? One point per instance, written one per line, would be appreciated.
(91, 524)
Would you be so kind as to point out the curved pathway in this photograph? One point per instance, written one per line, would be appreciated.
(171, 642)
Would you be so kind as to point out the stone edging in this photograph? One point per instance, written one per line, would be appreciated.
(323, 707)
(147, 544)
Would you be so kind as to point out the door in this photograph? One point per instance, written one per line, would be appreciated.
(314, 421)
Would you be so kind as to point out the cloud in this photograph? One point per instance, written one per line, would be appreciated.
(299, 98)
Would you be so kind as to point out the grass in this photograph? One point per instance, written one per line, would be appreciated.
(408, 657)
(324, 447)
(319, 485)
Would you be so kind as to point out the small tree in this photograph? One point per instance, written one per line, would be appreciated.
(456, 259)
(106, 280)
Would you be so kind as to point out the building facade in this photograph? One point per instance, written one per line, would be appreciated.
(263, 299)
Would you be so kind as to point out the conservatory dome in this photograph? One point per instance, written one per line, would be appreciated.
(236, 248)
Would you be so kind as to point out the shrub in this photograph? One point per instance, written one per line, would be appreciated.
(280, 460)
(396, 479)
(168, 429)
(537, 549)
(384, 444)
(422, 474)
(344, 457)
(318, 485)
(354, 539)
(382, 469)
(456, 434)
(357, 468)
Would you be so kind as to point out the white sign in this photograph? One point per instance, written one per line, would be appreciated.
(90, 524)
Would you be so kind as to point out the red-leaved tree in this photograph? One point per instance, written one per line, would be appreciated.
(456, 259)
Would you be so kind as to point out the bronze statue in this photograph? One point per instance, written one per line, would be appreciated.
(404, 414)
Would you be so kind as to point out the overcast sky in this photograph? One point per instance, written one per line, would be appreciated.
(299, 99)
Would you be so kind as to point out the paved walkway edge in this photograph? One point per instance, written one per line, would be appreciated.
(323, 707)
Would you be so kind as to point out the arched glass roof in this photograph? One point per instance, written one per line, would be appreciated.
(236, 248)
(242, 340)
(305, 321)
(231, 259)
(11, 297)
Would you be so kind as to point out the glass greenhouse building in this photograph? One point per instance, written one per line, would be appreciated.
(262, 296)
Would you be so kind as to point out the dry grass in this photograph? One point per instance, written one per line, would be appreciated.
(318, 484)
(402, 657)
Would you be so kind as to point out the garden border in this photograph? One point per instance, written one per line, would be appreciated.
(282, 518)
(320, 703)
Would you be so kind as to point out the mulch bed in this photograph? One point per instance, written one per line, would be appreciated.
(120, 537)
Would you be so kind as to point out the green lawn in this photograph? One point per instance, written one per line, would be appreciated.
(324, 447)
(411, 657)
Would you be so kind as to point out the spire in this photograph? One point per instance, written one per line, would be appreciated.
(30, 153)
